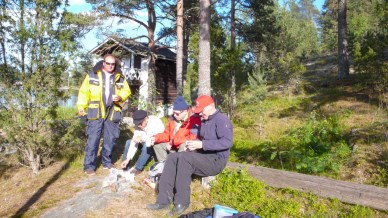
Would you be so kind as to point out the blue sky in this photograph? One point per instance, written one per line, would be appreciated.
(131, 30)
(91, 39)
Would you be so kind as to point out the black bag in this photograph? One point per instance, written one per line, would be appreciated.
(207, 212)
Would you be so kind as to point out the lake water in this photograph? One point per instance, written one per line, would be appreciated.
(70, 102)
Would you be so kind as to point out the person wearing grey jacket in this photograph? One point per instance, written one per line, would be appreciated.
(205, 157)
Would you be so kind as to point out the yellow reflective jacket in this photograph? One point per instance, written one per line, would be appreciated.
(90, 96)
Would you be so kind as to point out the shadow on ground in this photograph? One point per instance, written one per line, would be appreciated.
(43, 189)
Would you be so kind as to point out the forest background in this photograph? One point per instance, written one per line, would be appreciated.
(305, 91)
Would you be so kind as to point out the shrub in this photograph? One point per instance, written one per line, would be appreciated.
(315, 147)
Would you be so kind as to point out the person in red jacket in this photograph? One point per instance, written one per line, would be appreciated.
(182, 126)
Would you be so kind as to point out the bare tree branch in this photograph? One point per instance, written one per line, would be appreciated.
(130, 18)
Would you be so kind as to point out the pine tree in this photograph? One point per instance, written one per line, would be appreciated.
(42, 34)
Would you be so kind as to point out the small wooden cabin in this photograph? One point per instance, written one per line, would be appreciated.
(134, 58)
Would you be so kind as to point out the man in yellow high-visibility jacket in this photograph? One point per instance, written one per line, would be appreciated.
(101, 93)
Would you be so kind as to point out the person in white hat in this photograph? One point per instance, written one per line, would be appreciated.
(145, 127)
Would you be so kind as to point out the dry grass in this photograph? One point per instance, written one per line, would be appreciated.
(24, 194)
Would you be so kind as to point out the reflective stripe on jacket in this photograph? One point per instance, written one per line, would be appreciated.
(91, 94)
(189, 130)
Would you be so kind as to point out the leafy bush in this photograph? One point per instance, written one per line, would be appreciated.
(318, 146)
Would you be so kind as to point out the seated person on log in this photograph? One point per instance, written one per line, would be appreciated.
(212, 154)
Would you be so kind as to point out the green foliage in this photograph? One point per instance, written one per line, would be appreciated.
(66, 113)
(316, 147)
(258, 25)
(36, 49)
(299, 34)
(256, 91)
(370, 55)
(72, 138)
(289, 69)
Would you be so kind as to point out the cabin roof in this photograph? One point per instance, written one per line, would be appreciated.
(130, 45)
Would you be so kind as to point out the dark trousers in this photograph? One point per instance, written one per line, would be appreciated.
(111, 132)
(179, 168)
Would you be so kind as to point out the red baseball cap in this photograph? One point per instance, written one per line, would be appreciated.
(201, 102)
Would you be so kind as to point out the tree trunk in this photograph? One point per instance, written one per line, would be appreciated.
(343, 55)
(33, 161)
(232, 91)
(2, 33)
(179, 54)
(2, 37)
(186, 34)
(22, 38)
(152, 58)
(204, 85)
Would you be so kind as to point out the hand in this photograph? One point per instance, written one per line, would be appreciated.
(117, 98)
(193, 145)
(168, 147)
(125, 163)
(152, 140)
(137, 139)
(81, 112)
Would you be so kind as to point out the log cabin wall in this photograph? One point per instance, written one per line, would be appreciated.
(165, 81)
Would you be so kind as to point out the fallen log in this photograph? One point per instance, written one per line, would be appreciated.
(367, 195)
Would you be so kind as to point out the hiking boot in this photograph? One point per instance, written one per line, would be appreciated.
(135, 171)
(177, 210)
(90, 172)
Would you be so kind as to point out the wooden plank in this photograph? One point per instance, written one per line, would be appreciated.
(367, 195)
